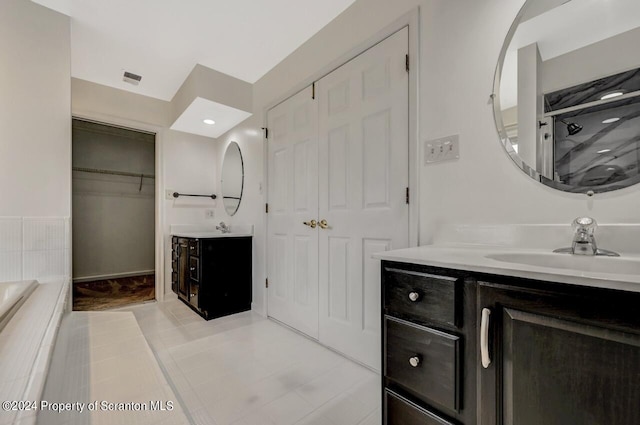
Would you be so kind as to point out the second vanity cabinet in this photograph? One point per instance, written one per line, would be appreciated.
(213, 275)
(468, 348)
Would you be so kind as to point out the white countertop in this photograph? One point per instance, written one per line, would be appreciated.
(209, 234)
(474, 258)
(210, 231)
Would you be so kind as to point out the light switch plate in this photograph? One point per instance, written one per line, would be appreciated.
(442, 149)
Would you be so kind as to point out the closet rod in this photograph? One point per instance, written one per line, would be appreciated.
(115, 173)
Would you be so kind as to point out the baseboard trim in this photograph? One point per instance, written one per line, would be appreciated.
(112, 276)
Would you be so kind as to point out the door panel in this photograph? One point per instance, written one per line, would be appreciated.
(363, 175)
(293, 199)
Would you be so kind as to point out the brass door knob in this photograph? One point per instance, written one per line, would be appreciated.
(323, 224)
(311, 223)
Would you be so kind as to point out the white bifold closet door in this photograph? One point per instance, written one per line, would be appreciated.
(361, 170)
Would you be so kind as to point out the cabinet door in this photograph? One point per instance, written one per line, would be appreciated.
(558, 359)
(225, 285)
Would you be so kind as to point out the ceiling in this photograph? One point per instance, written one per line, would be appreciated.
(566, 26)
(163, 40)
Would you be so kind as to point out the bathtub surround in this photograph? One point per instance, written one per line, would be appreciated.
(26, 345)
(34, 248)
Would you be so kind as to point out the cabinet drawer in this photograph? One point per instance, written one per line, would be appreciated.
(424, 361)
(194, 268)
(194, 247)
(420, 296)
(400, 411)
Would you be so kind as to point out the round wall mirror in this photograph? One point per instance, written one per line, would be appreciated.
(567, 93)
(232, 178)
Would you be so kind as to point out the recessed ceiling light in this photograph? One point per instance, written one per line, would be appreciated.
(604, 151)
(208, 121)
(611, 95)
(610, 120)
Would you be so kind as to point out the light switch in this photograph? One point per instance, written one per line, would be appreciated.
(443, 149)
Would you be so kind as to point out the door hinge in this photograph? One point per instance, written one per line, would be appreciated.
(266, 208)
(406, 62)
(407, 196)
(313, 90)
(266, 283)
(266, 132)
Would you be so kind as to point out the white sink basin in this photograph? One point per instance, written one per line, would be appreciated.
(597, 264)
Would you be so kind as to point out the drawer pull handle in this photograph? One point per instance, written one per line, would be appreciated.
(414, 361)
(192, 269)
(414, 296)
(192, 247)
(484, 338)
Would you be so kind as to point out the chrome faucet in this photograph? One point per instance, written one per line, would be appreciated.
(223, 227)
(584, 240)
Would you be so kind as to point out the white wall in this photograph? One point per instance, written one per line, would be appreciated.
(185, 162)
(459, 46)
(249, 137)
(35, 142)
(35, 127)
(598, 60)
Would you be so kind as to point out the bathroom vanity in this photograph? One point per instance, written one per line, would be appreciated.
(493, 342)
(212, 272)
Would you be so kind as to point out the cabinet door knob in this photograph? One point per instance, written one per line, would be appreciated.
(414, 361)
(192, 268)
(311, 223)
(414, 296)
(323, 224)
(192, 247)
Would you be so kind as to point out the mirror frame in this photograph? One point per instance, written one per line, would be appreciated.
(506, 142)
(232, 143)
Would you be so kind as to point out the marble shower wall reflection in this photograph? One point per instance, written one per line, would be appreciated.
(605, 150)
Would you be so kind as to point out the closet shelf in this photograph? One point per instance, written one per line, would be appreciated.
(115, 173)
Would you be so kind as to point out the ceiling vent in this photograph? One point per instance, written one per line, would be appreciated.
(131, 78)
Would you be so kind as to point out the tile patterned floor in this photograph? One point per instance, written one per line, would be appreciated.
(247, 370)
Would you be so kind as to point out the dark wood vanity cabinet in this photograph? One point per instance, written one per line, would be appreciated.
(428, 346)
(560, 355)
(557, 354)
(213, 275)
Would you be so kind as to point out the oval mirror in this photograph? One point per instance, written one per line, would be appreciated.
(232, 178)
(567, 93)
